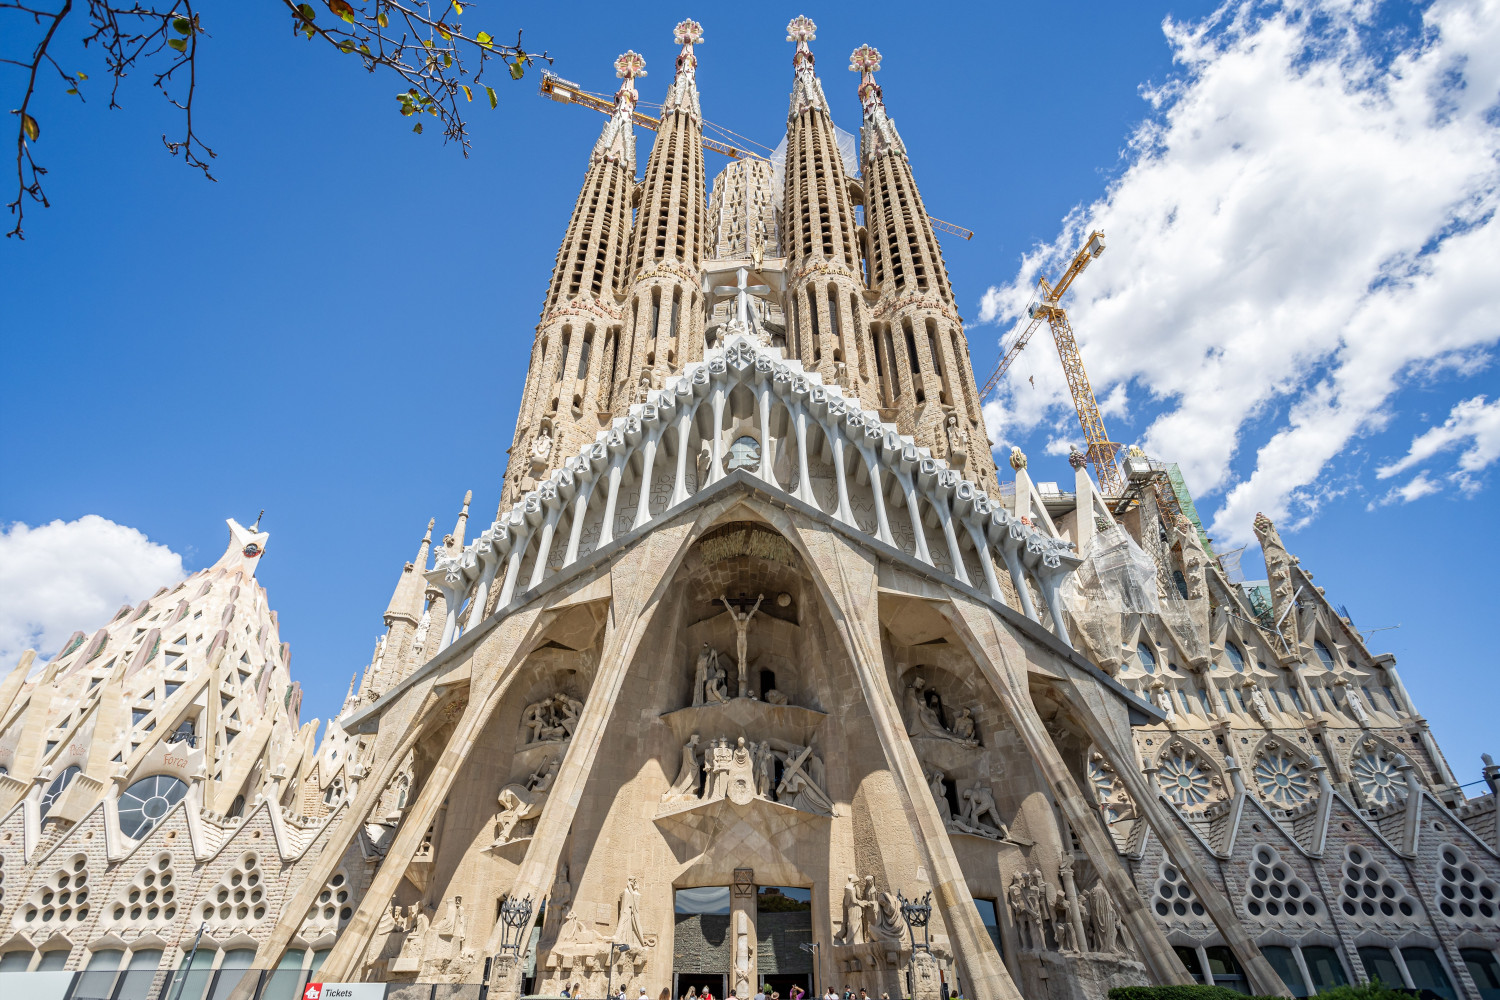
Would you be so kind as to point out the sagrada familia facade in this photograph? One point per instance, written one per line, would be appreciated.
(760, 675)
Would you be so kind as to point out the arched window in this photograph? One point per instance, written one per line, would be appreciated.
(59, 785)
(147, 801)
(1324, 654)
(1236, 658)
(1146, 658)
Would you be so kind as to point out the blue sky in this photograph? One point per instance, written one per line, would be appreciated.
(336, 330)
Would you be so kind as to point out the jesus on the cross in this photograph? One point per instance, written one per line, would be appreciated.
(741, 626)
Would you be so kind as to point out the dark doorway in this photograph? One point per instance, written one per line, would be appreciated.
(698, 982)
(701, 948)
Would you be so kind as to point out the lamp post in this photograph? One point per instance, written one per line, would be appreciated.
(917, 914)
(814, 949)
(609, 982)
(515, 920)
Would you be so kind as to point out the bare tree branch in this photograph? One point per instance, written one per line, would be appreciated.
(428, 50)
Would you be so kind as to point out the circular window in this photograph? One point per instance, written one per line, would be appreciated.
(147, 801)
(744, 453)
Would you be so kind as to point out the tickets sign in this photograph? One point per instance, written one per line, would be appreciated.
(344, 991)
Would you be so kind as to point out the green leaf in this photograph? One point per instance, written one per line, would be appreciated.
(341, 9)
(180, 44)
(447, 60)
(517, 70)
(443, 30)
(83, 76)
(417, 128)
(484, 38)
(458, 8)
(382, 20)
(346, 46)
(468, 94)
(182, 25)
(71, 90)
(366, 50)
(494, 101)
(30, 127)
(308, 14)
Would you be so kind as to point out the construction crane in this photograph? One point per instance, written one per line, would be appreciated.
(566, 92)
(1101, 450)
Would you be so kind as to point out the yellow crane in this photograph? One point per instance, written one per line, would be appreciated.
(565, 92)
(1101, 450)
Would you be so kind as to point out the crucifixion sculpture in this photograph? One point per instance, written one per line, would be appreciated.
(741, 626)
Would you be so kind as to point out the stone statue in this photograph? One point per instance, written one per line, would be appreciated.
(924, 717)
(801, 783)
(628, 924)
(541, 445)
(741, 621)
(979, 805)
(715, 689)
(937, 782)
(1034, 895)
(1261, 709)
(523, 801)
(1106, 920)
(1017, 458)
(765, 770)
(420, 638)
(854, 915)
(741, 780)
(707, 656)
(774, 697)
(1356, 708)
(889, 926)
(716, 761)
(1015, 899)
(551, 719)
(742, 949)
(963, 726)
(686, 785)
(958, 442)
(1163, 698)
(1062, 926)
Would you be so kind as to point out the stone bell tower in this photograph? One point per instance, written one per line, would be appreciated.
(827, 316)
(668, 243)
(926, 375)
(569, 385)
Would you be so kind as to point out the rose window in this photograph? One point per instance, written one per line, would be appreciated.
(1282, 780)
(1378, 779)
(147, 801)
(1184, 780)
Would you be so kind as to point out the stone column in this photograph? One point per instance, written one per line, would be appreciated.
(744, 974)
(516, 635)
(982, 635)
(1263, 978)
(846, 580)
(639, 580)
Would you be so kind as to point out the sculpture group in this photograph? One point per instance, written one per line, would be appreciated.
(551, 719)
(978, 814)
(1078, 920)
(772, 769)
(924, 710)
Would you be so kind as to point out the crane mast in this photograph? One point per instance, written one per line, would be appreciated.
(1101, 450)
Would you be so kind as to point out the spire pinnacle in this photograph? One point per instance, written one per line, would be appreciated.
(807, 92)
(617, 141)
(865, 61)
(683, 94)
(628, 65)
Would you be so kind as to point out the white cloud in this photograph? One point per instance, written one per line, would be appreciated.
(68, 575)
(1306, 224)
(1473, 421)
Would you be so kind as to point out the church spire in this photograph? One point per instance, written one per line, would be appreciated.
(569, 385)
(406, 601)
(455, 541)
(829, 323)
(664, 323)
(928, 377)
(683, 94)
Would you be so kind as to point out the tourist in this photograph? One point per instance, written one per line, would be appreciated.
(795, 993)
(760, 994)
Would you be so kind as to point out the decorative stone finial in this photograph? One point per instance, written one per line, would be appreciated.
(1017, 458)
(468, 497)
(865, 60)
(687, 32)
(801, 30)
(1076, 458)
(629, 65)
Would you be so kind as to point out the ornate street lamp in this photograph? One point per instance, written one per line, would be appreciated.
(917, 914)
(515, 919)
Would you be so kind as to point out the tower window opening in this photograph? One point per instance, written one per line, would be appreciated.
(655, 312)
(676, 308)
(583, 352)
(833, 316)
(890, 350)
(562, 355)
(812, 322)
(945, 394)
(916, 364)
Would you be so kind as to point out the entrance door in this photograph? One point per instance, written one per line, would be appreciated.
(700, 945)
(783, 928)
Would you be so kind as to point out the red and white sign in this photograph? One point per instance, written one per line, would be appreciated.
(344, 991)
